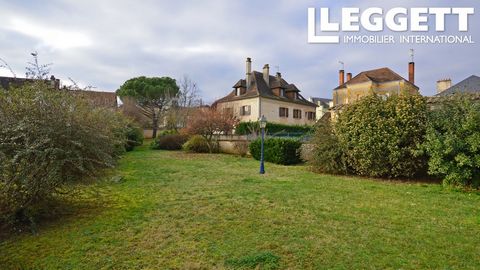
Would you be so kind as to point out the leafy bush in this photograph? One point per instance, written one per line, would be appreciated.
(48, 140)
(453, 142)
(382, 137)
(277, 150)
(245, 128)
(328, 154)
(169, 142)
(167, 132)
(134, 135)
(197, 144)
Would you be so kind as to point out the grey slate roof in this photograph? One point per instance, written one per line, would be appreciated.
(259, 87)
(469, 85)
(323, 101)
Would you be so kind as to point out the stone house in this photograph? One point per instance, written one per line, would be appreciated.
(272, 96)
(382, 81)
(324, 105)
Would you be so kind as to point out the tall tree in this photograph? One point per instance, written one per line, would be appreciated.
(186, 102)
(209, 122)
(153, 95)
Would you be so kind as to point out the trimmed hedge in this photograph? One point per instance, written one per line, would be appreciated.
(277, 150)
(245, 128)
(169, 142)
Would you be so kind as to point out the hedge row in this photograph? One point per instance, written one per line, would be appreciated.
(277, 150)
(402, 137)
(245, 128)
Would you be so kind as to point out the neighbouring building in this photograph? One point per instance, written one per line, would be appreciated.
(95, 98)
(467, 86)
(324, 105)
(382, 81)
(8, 82)
(98, 98)
(272, 96)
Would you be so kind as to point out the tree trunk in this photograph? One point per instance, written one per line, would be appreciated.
(154, 125)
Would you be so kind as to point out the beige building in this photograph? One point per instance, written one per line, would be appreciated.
(383, 82)
(263, 94)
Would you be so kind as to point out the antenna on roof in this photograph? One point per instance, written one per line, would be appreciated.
(278, 68)
(412, 54)
(343, 64)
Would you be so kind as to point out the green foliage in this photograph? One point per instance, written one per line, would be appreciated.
(169, 142)
(277, 150)
(453, 142)
(328, 154)
(197, 144)
(382, 138)
(149, 90)
(168, 132)
(245, 128)
(134, 136)
(48, 140)
(154, 95)
(261, 260)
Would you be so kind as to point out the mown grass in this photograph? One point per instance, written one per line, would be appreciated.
(191, 211)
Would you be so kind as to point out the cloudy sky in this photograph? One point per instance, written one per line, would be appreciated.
(104, 43)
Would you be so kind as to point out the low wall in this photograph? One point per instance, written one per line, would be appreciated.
(234, 144)
(148, 133)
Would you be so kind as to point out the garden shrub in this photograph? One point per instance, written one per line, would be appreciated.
(453, 142)
(328, 155)
(50, 139)
(277, 150)
(134, 135)
(246, 128)
(169, 142)
(167, 132)
(197, 144)
(382, 138)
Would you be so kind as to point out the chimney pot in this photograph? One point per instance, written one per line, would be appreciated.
(341, 77)
(411, 72)
(349, 76)
(248, 74)
(266, 74)
(443, 85)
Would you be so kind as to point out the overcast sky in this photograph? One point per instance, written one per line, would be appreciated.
(104, 43)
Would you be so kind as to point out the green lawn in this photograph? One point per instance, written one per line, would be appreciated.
(187, 211)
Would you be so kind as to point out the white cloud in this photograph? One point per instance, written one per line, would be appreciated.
(49, 36)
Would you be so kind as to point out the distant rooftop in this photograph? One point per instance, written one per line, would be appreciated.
(469, 85)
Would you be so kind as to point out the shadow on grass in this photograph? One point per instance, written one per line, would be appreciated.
(51, 213)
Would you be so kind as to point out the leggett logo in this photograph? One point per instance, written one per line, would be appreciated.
(397, 19)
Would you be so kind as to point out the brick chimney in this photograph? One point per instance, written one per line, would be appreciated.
(443, 85)
(248, 74)
(411, 72)
(349, 76)
(266, 74)
(341, 77)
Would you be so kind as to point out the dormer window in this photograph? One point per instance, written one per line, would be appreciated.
(238, 91)
(282, 92)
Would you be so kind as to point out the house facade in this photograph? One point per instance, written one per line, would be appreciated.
(272, 96)
(383, 82)
(323, 106)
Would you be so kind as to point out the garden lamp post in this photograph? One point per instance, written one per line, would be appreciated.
(263, 123)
